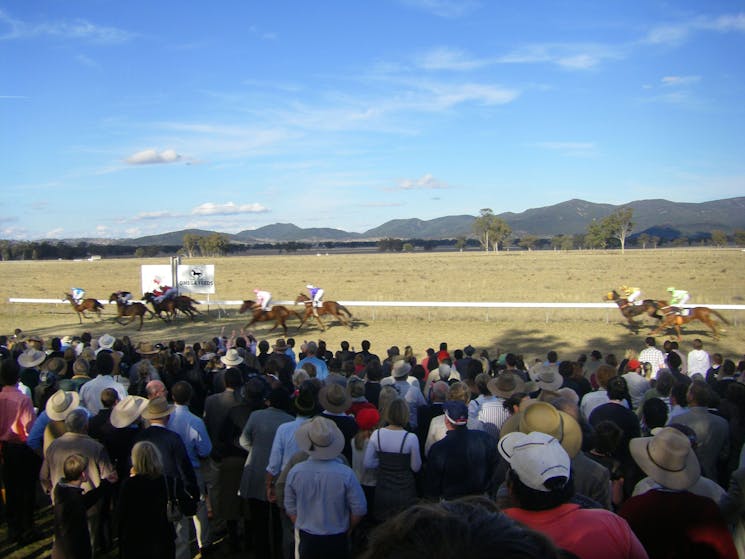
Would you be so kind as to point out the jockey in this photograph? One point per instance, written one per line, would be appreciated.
(263, 299)
(678, 298)
(316, 293)
(123, 297)
(163, 291)
(78, 294)
(632, 294)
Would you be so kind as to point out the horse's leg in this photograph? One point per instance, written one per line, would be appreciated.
(320, 323)
(141, 320)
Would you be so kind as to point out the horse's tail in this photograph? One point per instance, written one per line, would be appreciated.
(344, 309)
(97, 304)
(719, 316)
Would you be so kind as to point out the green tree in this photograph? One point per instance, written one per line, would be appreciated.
(644, 240)
(408, 247)
(617, 225)
(597, 235)
(191, 244)
(139, 252)
(528, 242)
(739, 237)
(718, 238)
(460, 243)
(491, 230)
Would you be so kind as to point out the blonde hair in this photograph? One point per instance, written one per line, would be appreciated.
(387, 395)
(459, 391)
(146, 459)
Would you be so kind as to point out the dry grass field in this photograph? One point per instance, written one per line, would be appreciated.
(712, 277)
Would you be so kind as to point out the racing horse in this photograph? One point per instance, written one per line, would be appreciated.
(674, 320)
(88, 304)
(133, 310)
(650, 307)
(327, 307)
(182, 303)
(278, 313)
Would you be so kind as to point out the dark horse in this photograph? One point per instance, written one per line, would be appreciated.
(87, 304)
(328, 307)
(277, 313)
(649, 307)
(674, 320)
(133, 310)
(173, 305)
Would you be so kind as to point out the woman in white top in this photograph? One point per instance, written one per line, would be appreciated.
(395, 453)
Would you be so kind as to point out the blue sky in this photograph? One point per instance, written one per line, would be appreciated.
(121, 119)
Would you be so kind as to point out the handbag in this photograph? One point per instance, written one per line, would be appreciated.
(173, 511)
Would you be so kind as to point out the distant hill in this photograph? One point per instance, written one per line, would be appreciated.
(655, 217)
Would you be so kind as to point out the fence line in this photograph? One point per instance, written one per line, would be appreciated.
(420, 304)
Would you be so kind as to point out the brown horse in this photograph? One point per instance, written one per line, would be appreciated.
(133, 310)
(180, 303)
(650, 307)
(87, 304)
(674, 320)
(328, 307)
(277, 313)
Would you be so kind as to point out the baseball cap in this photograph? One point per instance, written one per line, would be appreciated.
(535, 458)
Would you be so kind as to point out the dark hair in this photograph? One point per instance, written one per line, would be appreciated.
(560, 491)
(365, 345)
(9, 372)
(566, 369)
(279, 399)
(232, 378)
(510, 359)
(552, 356)
(728, 367)
(373, 371)
(263, 346)
(649, 340)
(679, 391)
(664, 383)
(654, 412)
(182, 392)
(595, 354)
(513, 400)
(673, 360)
(109, 397)
(447, 529)
(608, 436)
(104, 364)
(699, 393)
(617, 388)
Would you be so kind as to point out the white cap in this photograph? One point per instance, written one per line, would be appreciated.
(535, 458)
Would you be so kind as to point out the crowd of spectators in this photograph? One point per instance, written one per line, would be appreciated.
(281, 450)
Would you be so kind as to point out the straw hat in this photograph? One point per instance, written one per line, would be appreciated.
(81, 367)
(546, 377)
(333, 398)
(157, 408)
(146, 348)
(56, 365)
(400, 369)
(127, 411)
(320, 438)
(232, 358)
(281, 345)
(505, 385)
(61, 403)
(667, 458)
(106, 341)
(544, 418)
(31, 358)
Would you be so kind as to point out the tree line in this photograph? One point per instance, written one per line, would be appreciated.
(490, 233)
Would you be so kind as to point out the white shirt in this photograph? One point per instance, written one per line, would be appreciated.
(389, 440)
(638, 386)
(655, 357)
(698, 362)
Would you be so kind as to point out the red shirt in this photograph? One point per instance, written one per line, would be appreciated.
(588, 533)
(16, 415)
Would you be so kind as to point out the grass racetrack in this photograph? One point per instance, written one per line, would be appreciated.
(712, 276)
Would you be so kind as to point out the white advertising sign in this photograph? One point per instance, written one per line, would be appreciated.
(154, 276)
(196, 278)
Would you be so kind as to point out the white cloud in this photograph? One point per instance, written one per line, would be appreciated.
(445, 58)
(444, 8)
(571, 149)
(570, 56)
(425, 182)
(210, 208)
(158, 214)
(54, 233)
(680, 80)
(75, 29)
(676, 33)
(151, 157)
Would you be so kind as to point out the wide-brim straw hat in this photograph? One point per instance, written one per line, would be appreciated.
(157, 408)
(127, 411)
(61, 403)
(31, 358)
(320, 438)
(106, 341)
(545, 418)
(505, 385)
(232, 358)
(333, 398)
(546, 377)
(56, 365)
(400, 369)
(146, 348)
(667, 458)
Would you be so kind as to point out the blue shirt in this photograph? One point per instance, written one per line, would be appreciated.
(36, 435)
(192, 431)
(323, 494)
(284, 445)
(322, 371)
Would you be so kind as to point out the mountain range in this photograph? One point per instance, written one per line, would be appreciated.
(655, 217)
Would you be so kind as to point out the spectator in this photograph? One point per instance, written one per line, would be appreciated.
(698, 359)
(650, 354)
